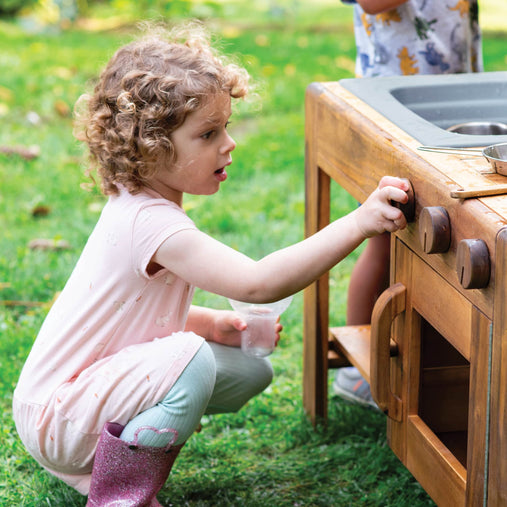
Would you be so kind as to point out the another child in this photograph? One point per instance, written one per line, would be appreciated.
(124, 367)
(401, 37)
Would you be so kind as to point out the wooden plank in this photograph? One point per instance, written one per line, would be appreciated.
(497, 483)
(478, 409)
(316, 305)
(406, 335)
(434, 466)
(334, 358)
(437, 306)
(353, 343)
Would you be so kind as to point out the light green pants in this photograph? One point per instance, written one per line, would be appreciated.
(218, 379)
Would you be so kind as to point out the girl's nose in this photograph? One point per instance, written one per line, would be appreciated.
(229, 143)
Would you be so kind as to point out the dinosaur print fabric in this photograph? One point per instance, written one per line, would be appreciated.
(419, 37)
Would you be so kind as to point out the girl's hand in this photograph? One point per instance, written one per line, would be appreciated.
(227, 326)
(376, 215)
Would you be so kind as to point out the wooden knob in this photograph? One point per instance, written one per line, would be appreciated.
(473, 264)
(408, 208)
(434, 229)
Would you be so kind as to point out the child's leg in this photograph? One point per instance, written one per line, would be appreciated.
(369, 278)
(182, 408)
(239, 378)
(133, 462)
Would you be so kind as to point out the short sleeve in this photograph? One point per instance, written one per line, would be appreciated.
(155, 223)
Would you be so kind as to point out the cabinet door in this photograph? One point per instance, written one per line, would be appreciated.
(440, 374)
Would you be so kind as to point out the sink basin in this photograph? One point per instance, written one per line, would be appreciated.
(425, 106)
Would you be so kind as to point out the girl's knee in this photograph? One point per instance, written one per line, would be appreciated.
(198, 378)
(260, 373)
(239, 378)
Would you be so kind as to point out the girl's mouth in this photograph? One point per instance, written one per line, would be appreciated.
(221, 174)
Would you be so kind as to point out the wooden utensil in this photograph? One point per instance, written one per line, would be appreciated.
(471, 193)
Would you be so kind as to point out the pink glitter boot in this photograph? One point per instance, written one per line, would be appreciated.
(128, 474)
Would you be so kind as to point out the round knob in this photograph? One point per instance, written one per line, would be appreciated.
(434, 229)
(408, 208)
(473, 264)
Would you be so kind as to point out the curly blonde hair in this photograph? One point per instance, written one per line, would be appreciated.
(145, 93)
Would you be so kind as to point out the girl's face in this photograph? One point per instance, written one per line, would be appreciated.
(203, 150)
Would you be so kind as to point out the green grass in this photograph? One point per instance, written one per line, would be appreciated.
(268, 452)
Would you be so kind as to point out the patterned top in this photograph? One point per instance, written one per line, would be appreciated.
(418, 37)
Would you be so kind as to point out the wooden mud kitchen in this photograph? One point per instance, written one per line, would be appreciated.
(435, 354)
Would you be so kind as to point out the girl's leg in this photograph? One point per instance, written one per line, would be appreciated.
(133, 462)
(182, 408)
(238, 379)
(369, 278)
(130, 474)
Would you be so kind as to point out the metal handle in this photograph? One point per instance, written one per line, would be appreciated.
(390, 303)
(452, 151)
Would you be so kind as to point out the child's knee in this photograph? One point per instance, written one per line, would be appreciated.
(239, 378)
(196, 383)
(260, 374)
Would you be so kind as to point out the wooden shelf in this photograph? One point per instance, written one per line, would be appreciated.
(350, 345)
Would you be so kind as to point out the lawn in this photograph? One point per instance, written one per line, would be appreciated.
(268, 453)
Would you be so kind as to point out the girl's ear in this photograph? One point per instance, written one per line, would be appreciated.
(164, 156)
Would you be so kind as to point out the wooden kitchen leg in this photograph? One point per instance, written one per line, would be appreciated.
(316, 309)
(316, 303)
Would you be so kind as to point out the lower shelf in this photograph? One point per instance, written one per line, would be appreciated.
(350, 345)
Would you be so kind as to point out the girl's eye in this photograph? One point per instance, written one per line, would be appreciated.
(207, 135)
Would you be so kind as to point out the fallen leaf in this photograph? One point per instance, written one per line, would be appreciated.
(27, 153)
(41, 210)
(6, 94)
(62, 108)
(48, 244)
(12, 302)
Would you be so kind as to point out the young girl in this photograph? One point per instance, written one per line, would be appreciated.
(123, 367)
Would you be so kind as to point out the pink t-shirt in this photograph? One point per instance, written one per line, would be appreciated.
(110, 301)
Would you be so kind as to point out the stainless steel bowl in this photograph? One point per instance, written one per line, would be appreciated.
(480, 128)
(496, 155)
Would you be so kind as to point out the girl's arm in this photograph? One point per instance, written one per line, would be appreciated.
(206, 263)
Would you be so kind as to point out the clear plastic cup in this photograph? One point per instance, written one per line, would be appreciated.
(259, 337)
